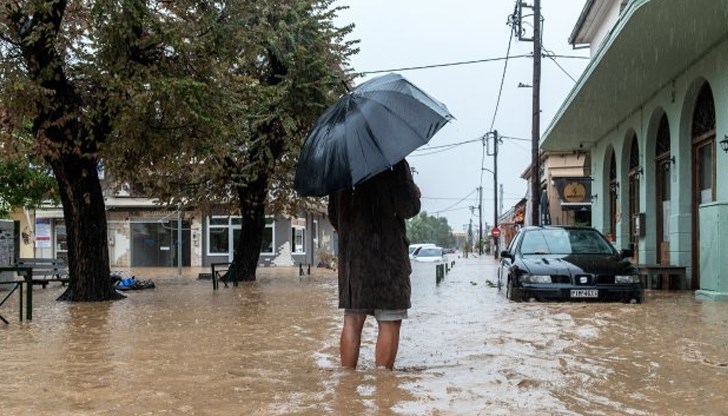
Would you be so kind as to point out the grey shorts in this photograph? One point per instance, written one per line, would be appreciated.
(380, 314)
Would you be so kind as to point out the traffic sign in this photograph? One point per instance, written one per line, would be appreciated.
(495, 232)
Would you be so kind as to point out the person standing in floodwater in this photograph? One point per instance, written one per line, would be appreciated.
(374, 267)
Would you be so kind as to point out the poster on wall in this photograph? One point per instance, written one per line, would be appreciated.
(42, 232)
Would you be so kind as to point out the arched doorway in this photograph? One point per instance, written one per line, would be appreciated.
(613, 190)
(634, 195)
(703, 168)
(662, 190)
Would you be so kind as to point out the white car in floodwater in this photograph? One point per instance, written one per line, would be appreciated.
(415, 248)
(430, 255)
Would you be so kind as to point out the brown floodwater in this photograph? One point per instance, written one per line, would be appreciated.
(271, 348)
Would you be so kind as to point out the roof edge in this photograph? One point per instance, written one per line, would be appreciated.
(580, 21)
(606, 44)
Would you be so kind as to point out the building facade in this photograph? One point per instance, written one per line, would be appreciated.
(650, 109)
(143, 234)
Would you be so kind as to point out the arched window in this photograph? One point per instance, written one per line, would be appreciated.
(704, 116)
(663, 137)
(634, 154)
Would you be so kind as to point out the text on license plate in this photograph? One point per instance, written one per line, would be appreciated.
(584, 293)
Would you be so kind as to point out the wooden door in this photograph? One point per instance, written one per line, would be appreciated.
(703, 192)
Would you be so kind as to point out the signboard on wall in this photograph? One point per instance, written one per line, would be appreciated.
(574, 193)
(43, 233)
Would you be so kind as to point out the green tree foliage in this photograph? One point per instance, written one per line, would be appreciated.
(25, 180)
(262, 73)
(23, 184)
(49, 80)
(201, 102)
(428, 229)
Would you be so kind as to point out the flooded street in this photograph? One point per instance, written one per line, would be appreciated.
(271, 348)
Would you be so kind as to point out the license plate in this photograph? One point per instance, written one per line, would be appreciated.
(584, 293)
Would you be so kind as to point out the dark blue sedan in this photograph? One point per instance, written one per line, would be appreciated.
(567, 263)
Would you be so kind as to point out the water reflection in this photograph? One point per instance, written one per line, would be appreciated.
(271, 348)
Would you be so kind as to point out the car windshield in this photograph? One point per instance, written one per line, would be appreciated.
(430, 252)
(565, 241)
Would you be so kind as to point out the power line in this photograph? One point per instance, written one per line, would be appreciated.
(432, 150)
(451, 210)
(549, 55)
(457, 203)
(414, 68)
(503, 78)
(434, 198)
(514, 138)
(421, 149)
(459, 63)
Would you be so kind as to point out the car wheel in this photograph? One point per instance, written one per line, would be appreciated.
(510, 293)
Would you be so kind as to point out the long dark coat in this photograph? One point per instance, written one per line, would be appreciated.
(374, 265)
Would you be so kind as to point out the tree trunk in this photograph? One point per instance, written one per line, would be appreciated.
(85, 215)
(252, 209)
(70, 148)
(251, 197)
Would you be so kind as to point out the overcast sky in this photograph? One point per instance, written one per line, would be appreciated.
(406, 33)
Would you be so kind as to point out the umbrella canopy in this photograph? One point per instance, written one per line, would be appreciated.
(366, 132)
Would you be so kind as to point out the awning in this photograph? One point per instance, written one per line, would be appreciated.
(653, 42)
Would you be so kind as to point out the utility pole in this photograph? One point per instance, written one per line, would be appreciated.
(517, 21)
(480, 220)
(495, 190)
(500, 205)
(536, 127)
(470, 237)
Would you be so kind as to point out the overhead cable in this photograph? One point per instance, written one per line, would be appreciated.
(457, 203)
(459, 63)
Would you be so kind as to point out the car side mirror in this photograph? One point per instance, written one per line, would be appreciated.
(626, 253)
(506, 254)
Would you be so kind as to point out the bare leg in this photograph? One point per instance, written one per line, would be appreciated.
(387, 343)
(351, 340)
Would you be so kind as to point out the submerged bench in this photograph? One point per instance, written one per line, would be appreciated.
(221, 273)
(46, 270)
(662, 276)
(17, 284)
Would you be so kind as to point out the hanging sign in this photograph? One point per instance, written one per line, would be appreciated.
(575, 193)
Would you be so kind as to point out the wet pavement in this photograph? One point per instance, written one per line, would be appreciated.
(271, 348)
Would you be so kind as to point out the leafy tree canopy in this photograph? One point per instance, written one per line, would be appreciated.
(24, 185)
(199, 102)
(428, 229)
(25, 180)
(251, 77)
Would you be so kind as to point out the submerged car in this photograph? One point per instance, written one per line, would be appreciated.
(429, 254)
(567, 263)
(415, 248)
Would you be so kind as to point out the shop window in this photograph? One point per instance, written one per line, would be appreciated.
(267, 244)
(298, 235)
(218, 235)
(220, 229)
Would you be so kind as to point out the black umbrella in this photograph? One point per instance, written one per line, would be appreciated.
(365, 132)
